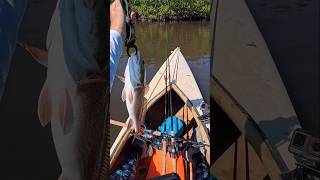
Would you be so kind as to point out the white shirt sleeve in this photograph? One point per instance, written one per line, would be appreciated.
(115, 53)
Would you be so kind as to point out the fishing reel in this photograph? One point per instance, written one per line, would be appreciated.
(204, 112)
(148, 136)
(173, 148)
(174, 144)
(306, 150)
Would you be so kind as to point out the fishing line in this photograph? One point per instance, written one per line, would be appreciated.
(170, 86)
(165, 96)
(173, 141)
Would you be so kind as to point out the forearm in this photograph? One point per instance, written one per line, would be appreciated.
(115, 53)
(11, 14)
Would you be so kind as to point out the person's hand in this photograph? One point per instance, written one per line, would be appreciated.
(116, 16)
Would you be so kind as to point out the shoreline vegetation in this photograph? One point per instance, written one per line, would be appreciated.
(171, 10)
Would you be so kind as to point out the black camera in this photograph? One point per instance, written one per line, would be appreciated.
(306, 150)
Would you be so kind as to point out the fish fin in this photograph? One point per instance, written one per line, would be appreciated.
(133, 125)
(40, 55)
(44, 106)
(123, 95)
(129, 124)
(65, 112)
(130, 97)
(121, 78)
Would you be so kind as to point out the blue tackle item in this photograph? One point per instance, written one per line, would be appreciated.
(177, 126)
(11, 13)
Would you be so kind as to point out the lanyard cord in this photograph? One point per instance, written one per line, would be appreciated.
(130, 30)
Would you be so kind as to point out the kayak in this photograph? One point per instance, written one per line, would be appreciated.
(242, 150)
(188, 122)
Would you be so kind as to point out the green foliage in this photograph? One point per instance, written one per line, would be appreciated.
(172, 9)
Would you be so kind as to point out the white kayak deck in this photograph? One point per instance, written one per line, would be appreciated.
(180, 75)
(245, 67)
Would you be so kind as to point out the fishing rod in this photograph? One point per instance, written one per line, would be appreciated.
(168, 141)
(173, 152)
(164, 140)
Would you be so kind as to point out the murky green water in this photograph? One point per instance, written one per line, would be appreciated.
(155, 41)
(158, 39)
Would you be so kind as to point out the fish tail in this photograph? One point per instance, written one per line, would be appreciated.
(44, 106)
